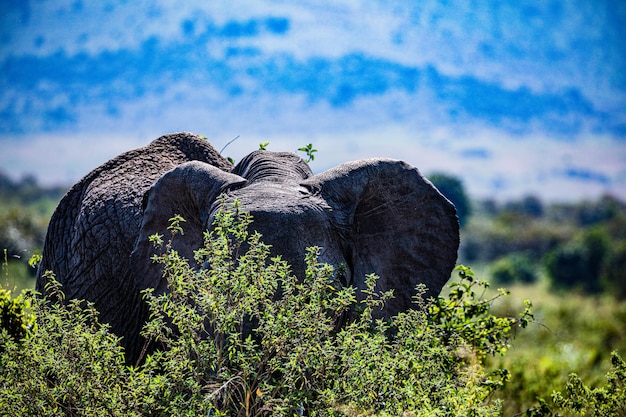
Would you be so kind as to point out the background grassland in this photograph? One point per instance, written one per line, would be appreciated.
(573, 332)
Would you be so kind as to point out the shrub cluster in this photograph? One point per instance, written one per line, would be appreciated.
(582, 400)
(16, 316)
(516, 267)
(244, 337)
(592, 262)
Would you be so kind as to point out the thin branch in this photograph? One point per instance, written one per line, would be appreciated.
(229, 142)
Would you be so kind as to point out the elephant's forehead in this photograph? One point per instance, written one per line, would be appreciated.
(291, 219)
(279, 199)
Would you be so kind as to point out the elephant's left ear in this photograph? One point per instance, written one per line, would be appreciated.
(396, 224)
(188, 190)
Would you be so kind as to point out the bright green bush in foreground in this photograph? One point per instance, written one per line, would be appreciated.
(574, 333)
(229, 346)
(16, 317)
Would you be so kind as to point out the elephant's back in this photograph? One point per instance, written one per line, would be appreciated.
(93, 230)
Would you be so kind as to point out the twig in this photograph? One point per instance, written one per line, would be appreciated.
(229, 142)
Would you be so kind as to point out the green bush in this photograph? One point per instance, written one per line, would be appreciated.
(606, 208)
(606, 401)
(16, 316)
(578, 264)
(614, 272)
(70, 365)
(582, 400)
(228, 345)
(575, 332)
(514, 269)
(567, 267)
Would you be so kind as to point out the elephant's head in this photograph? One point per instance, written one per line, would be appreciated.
(373, 216)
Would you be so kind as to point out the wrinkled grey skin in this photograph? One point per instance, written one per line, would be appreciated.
(372, 216)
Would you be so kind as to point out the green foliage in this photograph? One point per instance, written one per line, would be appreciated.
(229, 344)
(452, 188)
(25, 210)
(245, 337)
(603, 210)
(574, 333)
(606, 401)
(584, 401)
(19, 230)
(410, 373)
(579, 263)
(309, 151)
(16, 316)
(463, 314)
(294, 357)
(514, 268)
(567, 267)
(574, 247)
(614, 271)
(69, 365)
(527, 225)
(492, 235)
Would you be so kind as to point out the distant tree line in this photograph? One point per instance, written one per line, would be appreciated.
(27, 190)
(24, 214)
(452, 188)
(579, 246)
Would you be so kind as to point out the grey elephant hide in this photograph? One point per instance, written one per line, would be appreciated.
(372, 216)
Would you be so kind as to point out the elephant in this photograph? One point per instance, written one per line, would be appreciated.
(375, 215)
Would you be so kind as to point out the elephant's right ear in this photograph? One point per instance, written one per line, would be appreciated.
(188, 190)
(394, 223)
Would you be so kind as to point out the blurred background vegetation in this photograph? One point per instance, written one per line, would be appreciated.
(25, 210)
(569, 259)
